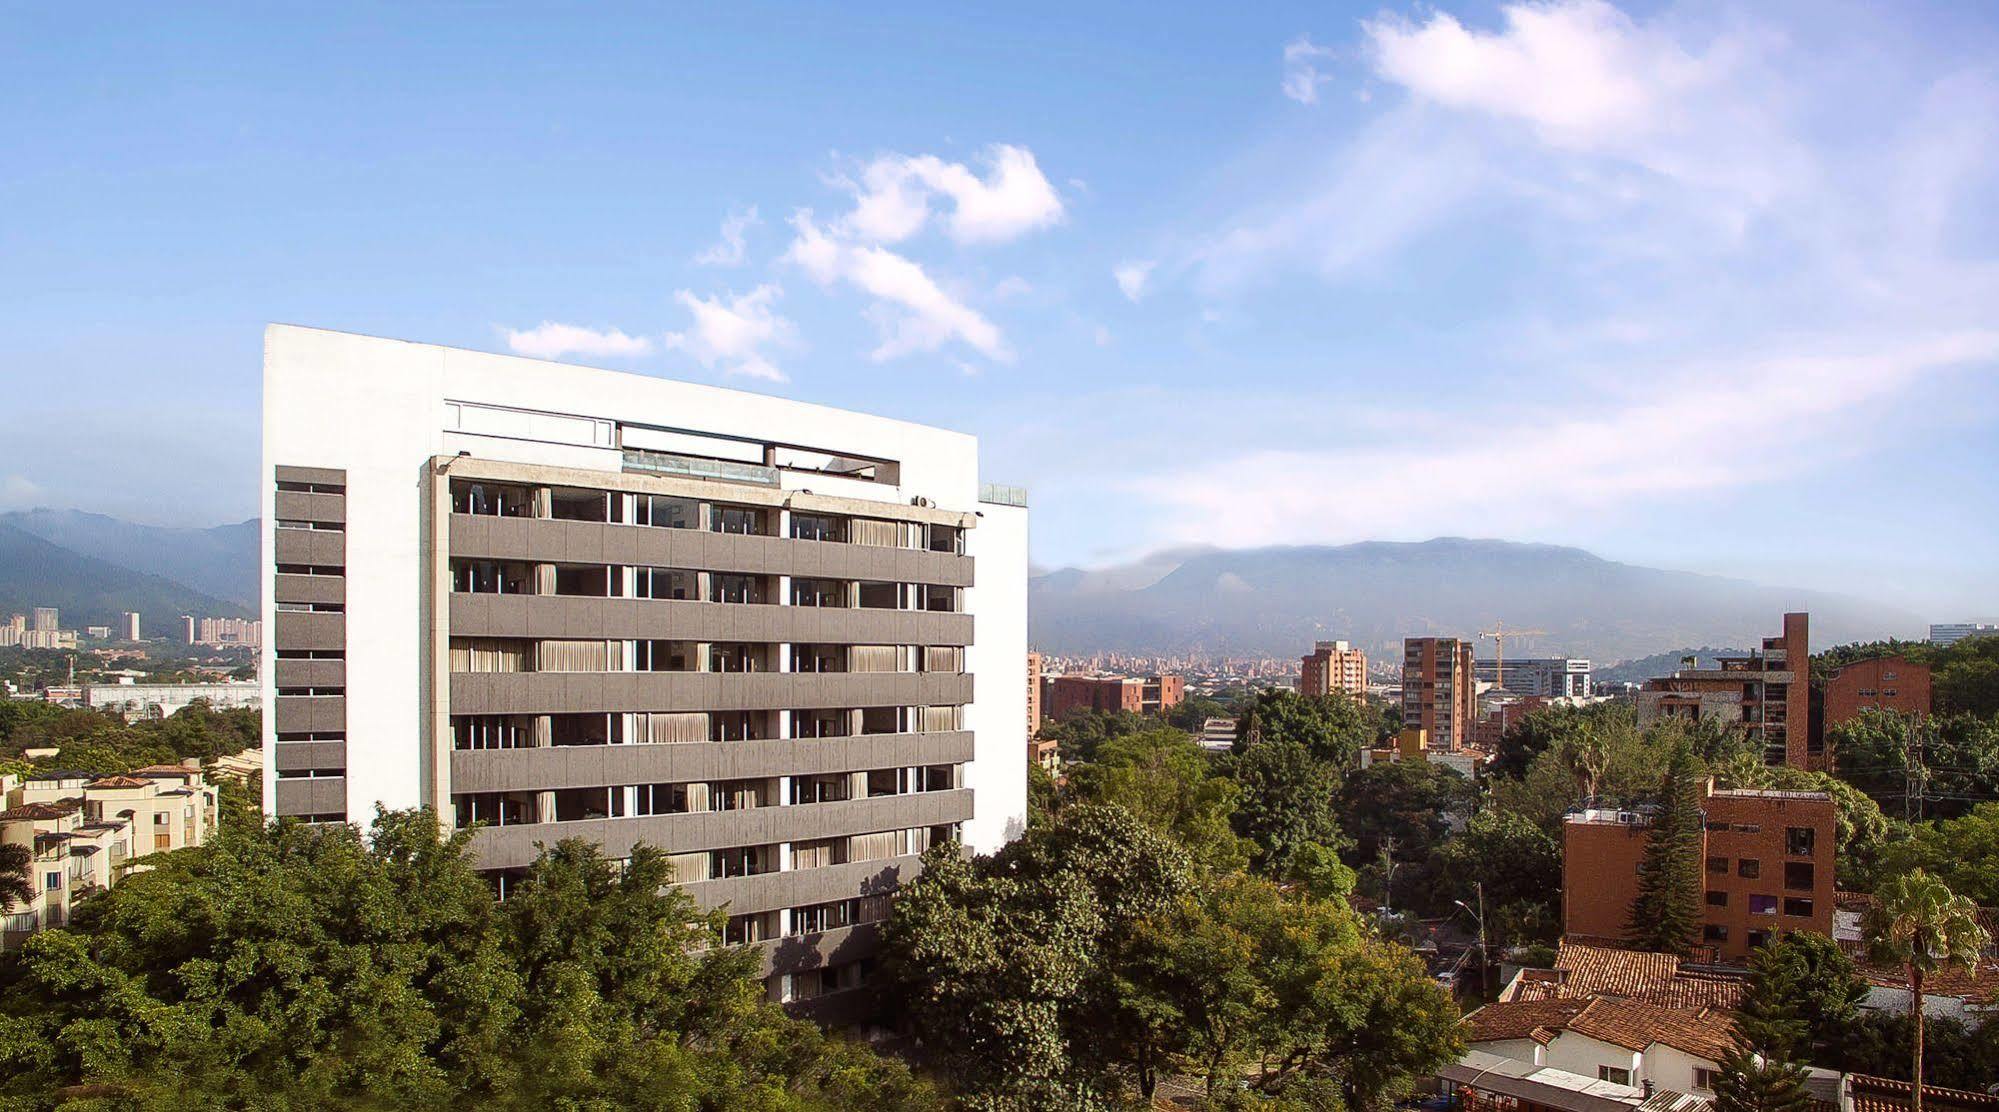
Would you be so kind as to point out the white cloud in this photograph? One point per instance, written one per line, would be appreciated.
(551, 340)
(1301, 71)
(19, 492)
(913, 313)
(1102, 335)
(892, 199)
(733, 246)
(1697, 428)
(1132, 277)
(731, 332)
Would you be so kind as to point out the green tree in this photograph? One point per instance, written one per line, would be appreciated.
(1762, 1072)
(1860, 829)
(1963, 852)
(1332, 728)
(1164, 779)
(1519, 865)
(1812, 980)
(287, 966)
(1586, 755)
(1015, 969)
(1666, 913)
(1079, 734)
(1286, 804)
(17, 876)
(1918, 923)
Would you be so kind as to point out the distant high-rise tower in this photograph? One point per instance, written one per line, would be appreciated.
(45, 619)
(1439, 691)
(1333, 666)
(128, 626)
(187, 629)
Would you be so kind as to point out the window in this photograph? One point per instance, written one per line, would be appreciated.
(1800, 841)
(1797, 907)
(662, 512)
(1762, 905)
(1714, 932)
(1717, 899)
(1703, 1078)
(1758, 938)
(52, 882)
(733, 588)
(736, 519)
(1798, 876)
(1613, 1075)
(1717, 865)
(1749, 868)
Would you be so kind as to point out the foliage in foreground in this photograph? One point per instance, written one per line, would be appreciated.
(1083, 961)
(294, 967)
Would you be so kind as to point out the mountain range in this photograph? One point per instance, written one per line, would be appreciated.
(1276, 601)
(92, 568)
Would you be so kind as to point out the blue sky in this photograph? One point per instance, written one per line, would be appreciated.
(1705, 286)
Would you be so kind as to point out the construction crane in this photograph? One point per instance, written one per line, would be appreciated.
(1499, 633)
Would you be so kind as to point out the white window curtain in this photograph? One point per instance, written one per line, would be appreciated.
(873, 658)
(943, 658)
(700, 797)
(939, 719)
(880, 534)
(488, 654)
(875, 847)
(691, 867)
(579, 656)
(661, 729)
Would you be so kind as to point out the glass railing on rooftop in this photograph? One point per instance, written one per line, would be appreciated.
(695, 467)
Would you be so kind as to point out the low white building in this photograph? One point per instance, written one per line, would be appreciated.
(164, 700)
(1609, 1040)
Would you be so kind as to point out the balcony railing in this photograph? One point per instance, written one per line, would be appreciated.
(694, 467)
(1000, 495)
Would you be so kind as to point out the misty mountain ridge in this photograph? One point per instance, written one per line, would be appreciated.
(88, 591)
(1276, 601)
(220, 561)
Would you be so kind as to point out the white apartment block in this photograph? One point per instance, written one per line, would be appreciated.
(782, 642)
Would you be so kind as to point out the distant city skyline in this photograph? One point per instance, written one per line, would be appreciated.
(1690, 297)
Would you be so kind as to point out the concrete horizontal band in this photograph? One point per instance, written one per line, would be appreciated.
(505, 847)
(605, 692)
(479, 615)
(296, 629)
(742, 895)
(588, 542)
(813, 951)
(309, 588)
(297, 714)
(319, 547)
(322, 476)
(309, 673)
(535, 474)
(323, 795)
(293, 756)
(589, 766)
(298, 505)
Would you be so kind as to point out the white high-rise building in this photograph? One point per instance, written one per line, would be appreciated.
(781, 642)
(128, 626)
(1950, 633)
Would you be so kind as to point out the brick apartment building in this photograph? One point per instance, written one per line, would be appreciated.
(1333, 666)
(1883, 683)
(1033, 695)
(1768, 867)
(1487, 731)
(1062, 696)
(1767, 693)
(1439, 691)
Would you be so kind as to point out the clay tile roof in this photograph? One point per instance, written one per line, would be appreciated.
(1879, 1094)
(1704, 1034)
(34, 811)
(1977, 986)
(1520, 1019)
(1646, 978)
(166, 770)
(120, 782)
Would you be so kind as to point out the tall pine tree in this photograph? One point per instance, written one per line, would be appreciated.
(1666, 914)
(1762, 1074)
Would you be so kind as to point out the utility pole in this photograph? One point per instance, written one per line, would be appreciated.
(1913, 775)
(1388, 875)
(1478, 915)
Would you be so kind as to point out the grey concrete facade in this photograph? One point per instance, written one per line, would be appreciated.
(309, 637)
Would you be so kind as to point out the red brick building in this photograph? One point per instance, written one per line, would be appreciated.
(1333, 666)
(1767, 693)
(1439, 690)
(1883, 683)
(1767, 862)
(1487, 732)
(1062, 696)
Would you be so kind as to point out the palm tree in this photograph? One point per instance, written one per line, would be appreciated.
(17, 885)
(1919, 924)
(1586, 755)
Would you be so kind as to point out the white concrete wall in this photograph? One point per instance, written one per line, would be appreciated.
(998, 662)
(1582, 1054)
(1520, 1050)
